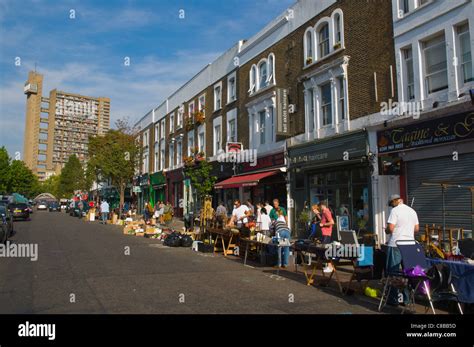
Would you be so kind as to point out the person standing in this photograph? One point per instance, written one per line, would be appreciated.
(264, 222)
(250, 206)
(283, 235)
(273, 213)
(268, 207)
(238, 213)
(104, 211)
(221, 214)
(326, 223)
(315, 221)
(402, 224)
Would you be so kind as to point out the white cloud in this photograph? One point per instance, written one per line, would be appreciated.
(133, 90)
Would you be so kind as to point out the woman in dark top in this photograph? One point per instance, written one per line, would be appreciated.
(315, 221)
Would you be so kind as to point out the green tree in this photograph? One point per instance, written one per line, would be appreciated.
(4, 170)
(114, 156)
(199, 173)
(72, 177)
(51, 185)
(21, 179)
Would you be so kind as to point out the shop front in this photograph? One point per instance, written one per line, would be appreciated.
(222, 171)
(337, 171)
(175, 190)
(144, 192)
(262, 181)
(157, 187)
(435, 162)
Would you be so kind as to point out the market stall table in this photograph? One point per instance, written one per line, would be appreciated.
(224, 235)
(260, 245)
(319, 252)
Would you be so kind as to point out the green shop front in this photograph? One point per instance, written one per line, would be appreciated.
(157, 187)
(336, 170)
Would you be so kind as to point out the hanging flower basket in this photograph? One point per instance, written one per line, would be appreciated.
(189, 124)
(199, 117)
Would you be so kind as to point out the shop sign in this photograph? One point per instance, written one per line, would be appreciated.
(433, 132)
(343, 148)
(144, 180)
(276, 160)
(282, 113)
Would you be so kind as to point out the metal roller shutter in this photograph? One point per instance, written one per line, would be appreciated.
(428, 199)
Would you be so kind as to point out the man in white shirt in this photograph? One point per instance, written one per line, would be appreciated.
(238, 214)
(104, 211)
(402, 224)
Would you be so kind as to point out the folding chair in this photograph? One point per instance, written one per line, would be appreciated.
(363, 268)
(413, 255)
(442, 288)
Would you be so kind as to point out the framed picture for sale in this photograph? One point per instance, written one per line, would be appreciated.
(342, 222)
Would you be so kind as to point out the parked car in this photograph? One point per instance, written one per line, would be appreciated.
(54, 207)
(19, 210)
(42, 206)
(64, 203)
(6, 222)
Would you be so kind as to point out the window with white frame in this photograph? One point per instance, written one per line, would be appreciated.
(145, 139)
(179, 119)
(191, 109)
(253, 79)
(342, 104)
(217, 138)
(162, 155)
(311, 110)
(231, 88)
(337, 29)
(435, 61)
(261, 126)
(263, 74)
(323, 40)
(404, 6)
(465, 57)
(145, 162)
(179, 152)
(202, 103)
(157, 132)
(218, 97)
(407, 55)
(201, 139)
(191, 144)
(271, 69)
(156, 158)
(162, 129)
(232, 130)
(309, 46)
(326, 104)
(171, 122)
(171, 155)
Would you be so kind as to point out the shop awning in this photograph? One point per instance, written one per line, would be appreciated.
(244, 180)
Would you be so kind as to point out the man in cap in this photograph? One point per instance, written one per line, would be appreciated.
(402, 224)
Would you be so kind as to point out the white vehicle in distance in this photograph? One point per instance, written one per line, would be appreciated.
(42, 206)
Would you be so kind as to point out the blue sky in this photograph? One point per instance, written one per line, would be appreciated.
(86, 55)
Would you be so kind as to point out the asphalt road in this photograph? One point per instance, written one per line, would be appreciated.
(82, 268)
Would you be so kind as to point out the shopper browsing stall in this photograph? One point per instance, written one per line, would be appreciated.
(273, 214)
(402, 224)
(238, 213)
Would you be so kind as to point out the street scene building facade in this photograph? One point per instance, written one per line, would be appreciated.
(309, 99)
(286, 95)
(59, 126)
